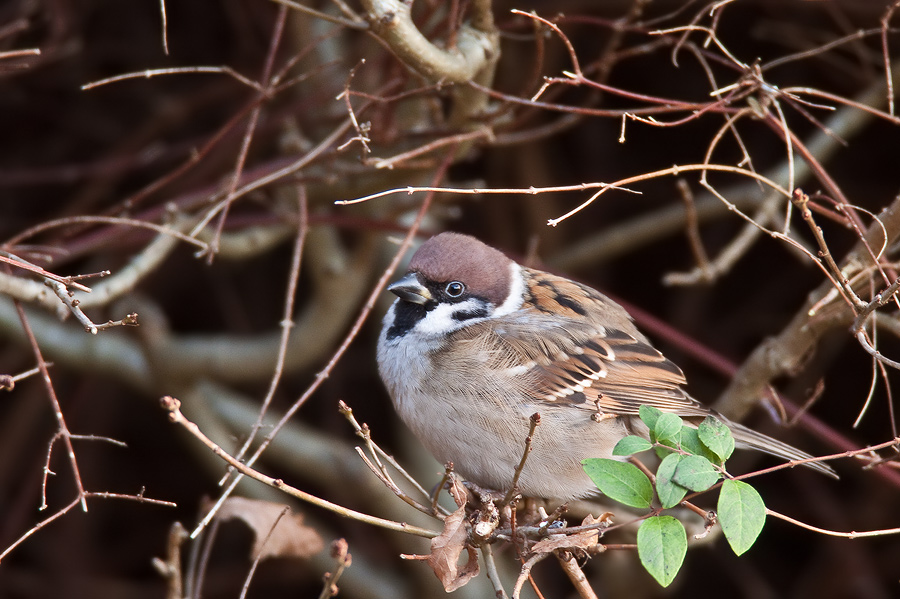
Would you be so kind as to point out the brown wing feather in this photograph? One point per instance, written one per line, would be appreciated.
(577, 361)
(567, 357)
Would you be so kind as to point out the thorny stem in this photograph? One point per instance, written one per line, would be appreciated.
(69, 507)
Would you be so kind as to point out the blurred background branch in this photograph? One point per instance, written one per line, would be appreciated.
(177, 169)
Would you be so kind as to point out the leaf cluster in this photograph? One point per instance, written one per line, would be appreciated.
(692, 461)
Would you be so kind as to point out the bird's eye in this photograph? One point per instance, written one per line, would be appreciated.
(454, 289)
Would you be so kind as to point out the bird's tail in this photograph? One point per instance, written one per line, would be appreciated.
(749, 438)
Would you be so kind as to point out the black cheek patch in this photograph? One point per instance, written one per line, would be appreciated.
(406, 315)
(469, 314)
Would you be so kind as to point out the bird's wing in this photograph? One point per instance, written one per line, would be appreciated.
(578, 362)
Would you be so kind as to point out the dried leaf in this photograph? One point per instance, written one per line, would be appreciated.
(277, 531)
(458, 491)
(446, 549)
(582, 540)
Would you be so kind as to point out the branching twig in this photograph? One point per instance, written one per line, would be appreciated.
(173, 407)
(367, 308)
(342, 558)
(75, 502)
(784, 353)
(379, 470)
(62, 428)
(170, 568)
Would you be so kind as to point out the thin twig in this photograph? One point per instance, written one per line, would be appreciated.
(801, 201)
(324, 373)
(165, 27)
(62, 428)
(148, 73)
(287, 323)
(173, 407)
(693, 230)
(834, 533)
(533, 423)
(379, 469)
(265, 91)
(356, 23)
(259, 556)
(341, 554)
(78, 500)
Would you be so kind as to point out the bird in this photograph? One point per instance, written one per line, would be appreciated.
(475, 344)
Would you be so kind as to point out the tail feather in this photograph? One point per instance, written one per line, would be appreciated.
(749, 438)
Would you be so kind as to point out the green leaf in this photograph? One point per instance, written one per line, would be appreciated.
(669, 492)
(649, 415)
(667, 427)
(620, 481)
(716, 435)
(631, 445)
(696, 473)
(690, 442)
(742, 514)
(662, 544)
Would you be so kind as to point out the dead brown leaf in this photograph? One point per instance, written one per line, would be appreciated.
(277, 531)
(447, 547)
(582, 540)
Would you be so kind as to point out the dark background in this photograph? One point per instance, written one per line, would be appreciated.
(108, 151)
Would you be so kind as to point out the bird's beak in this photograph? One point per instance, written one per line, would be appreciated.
(409, 289)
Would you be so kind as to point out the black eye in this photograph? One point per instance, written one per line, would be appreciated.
(454, 289)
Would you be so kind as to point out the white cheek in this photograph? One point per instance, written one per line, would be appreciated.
(387, 322)
(516, 292)
(440, 321)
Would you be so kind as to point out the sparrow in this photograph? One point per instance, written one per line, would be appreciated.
(475, 344)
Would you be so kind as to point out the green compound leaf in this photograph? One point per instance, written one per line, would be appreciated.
(662, 544)
(742, 514)
(669, 492)
(716, 435)
(696, 473)
(620, 481)
(631, 445)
